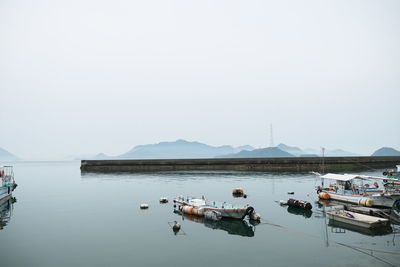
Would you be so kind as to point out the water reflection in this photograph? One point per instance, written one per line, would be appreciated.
(195, 175)
(232, 226)
(6, 208)
(305, 213)
(339, 227)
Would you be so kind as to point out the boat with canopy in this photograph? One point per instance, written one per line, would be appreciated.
(356, 189)
(7, 182)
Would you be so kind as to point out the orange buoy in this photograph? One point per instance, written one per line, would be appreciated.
(324, 195)
(237, 191)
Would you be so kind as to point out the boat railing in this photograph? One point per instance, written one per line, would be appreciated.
(224, 205)
(7, 175)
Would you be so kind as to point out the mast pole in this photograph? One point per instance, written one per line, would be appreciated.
(323, 164)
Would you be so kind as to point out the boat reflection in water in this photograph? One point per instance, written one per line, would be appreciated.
(6, 208)
(306, 213)
(339, 227)
(232, 226)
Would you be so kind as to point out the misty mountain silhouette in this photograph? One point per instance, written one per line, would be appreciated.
(185, 149)
(268, 152)
(178, 149)
(7, 156)
(386, 151)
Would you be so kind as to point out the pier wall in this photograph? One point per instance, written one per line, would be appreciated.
(293, 164)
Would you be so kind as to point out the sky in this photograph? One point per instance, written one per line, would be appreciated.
(90, 76)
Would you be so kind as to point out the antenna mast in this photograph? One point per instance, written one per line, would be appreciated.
(323, 164)
(271, 140)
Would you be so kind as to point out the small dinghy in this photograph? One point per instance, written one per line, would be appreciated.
(357, 219)
(197, 206)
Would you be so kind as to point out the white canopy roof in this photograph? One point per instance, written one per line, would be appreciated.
(341, 177)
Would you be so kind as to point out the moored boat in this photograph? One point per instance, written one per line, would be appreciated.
(394, 174)
(197, 206)
(345, 189)
(357, 219)
(7, 182)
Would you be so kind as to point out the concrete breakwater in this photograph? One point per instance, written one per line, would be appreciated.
(243, 164)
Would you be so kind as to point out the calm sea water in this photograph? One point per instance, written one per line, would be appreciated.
(64, 218)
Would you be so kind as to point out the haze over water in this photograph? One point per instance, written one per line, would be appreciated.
(90, 76)
(65, 218)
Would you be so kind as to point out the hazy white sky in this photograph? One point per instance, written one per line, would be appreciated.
(82, 77)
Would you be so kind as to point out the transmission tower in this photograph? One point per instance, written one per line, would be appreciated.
(271, 136)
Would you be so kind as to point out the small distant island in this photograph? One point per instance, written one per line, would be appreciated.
(386, 151)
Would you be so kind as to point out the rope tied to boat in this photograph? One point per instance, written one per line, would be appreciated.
(265, 222)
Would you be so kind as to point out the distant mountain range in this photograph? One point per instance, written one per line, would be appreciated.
(185, 149)
(314, 152)
(176, 150)
(386, 151)
(268, 152)
(283, 150)
(7, 156)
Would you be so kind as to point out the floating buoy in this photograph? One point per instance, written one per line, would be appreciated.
(163, 200)
(237, 191)
(282, 202)
(300, 204)
(176, 226)
(144, 206)
(324, 195)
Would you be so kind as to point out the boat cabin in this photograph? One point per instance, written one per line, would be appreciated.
(348, 184)
(6, 176)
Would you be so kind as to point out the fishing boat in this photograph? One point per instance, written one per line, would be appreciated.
(7, 182)
(357, 219)
(393, 173)
(353, 189)
(392, 178)
(198, 206)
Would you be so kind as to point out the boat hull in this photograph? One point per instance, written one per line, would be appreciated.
(357, 219)
(229, 213)
(199, 206)
(376, 200)
(5, 192)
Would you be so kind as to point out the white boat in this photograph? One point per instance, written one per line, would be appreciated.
(345, 189)
(7, 183)
(357, 219)
(198, 206)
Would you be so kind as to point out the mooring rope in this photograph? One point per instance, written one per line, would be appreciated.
(360, 249)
